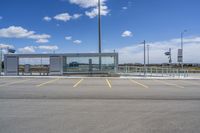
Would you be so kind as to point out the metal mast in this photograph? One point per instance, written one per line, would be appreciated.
(99, 31)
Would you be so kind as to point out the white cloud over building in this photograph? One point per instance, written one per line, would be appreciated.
(20, 32)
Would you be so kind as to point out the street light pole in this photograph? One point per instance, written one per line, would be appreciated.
(144, 58)
(99, 31)
(182, 33)
(148, 54)
(1, 55)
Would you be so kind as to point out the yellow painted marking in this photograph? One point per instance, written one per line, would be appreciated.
(78, 83)
(48, 82)
(170, 84)
(109, 84)
(15, 82)
(145, 86)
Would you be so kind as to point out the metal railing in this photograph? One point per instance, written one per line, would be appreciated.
(152, 71)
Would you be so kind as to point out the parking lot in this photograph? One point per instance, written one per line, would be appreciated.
(97, 88)
(105, 105)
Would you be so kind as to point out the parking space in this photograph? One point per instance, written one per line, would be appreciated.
(96, 88)
(96, 82)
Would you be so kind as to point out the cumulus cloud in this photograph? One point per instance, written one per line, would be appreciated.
(47, 18)
(40, 38)
(77, 42)
(20, 32)
(27, 49)
(33, 49)
(67, 17)
(48, 47)
(127, 33)
(68, 38)
(93, 7)
(42, 41)
(15, 32)
(86, 3)
(4, 46)
(76, 16)
(94, 12)
(134, 53)
(63, 17)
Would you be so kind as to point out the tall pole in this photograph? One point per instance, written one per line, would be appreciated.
(170, 56)
(148, 55)
(144, 58)
(182, 49)
(1, 55)
(99, 31)
(182, 33)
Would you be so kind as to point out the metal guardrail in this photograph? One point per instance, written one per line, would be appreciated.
(152, 71)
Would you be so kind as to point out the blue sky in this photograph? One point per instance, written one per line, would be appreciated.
(71, 26)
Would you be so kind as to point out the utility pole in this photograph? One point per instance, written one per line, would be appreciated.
(148, 54)
(182, 33)
(144, 58)
(1, 55)
(170, 56)
(99, 31)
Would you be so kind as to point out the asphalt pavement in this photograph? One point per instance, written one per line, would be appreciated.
(102, 105)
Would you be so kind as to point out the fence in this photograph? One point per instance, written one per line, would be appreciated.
(152, 71)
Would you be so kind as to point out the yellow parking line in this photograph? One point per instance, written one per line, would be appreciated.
(48, 82)
(139, 83)
(15, 82)
(78, 83)
(170, 84)
(109, 84)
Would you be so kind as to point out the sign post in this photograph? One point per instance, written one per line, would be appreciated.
(1, 54)
(180, 56)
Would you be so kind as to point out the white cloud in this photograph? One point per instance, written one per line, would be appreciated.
(15, 32)
(76, 16)
(42, 41)
(20, 32)
(67, 17)
(48, 47)
(94, 12)
(4, 46)
(63, 17)
(134, 53)
(68, 38)
(33, 49)
(93, 6)
(127, 33)
(47, 18)
(27, 49)
(124, 8)
(1, 17)
(39, 36)
(77, 41)
(86, 3)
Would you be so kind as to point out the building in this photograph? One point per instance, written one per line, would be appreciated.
(60, 64)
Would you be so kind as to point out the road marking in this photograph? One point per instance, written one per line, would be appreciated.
(81, 80)
(188, 82)
(170, 84)
(48, 82)
(15, 82)
(109, 84)
(145, 86)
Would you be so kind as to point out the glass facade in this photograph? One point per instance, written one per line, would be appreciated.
(88, 64)
(60, 64)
